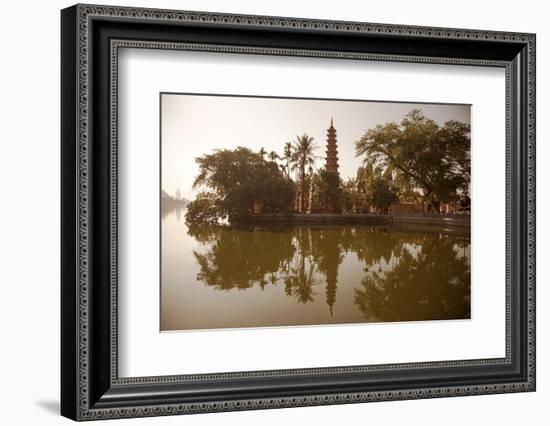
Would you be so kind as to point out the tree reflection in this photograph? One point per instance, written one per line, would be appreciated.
(300, 280)
(238, 258)
(430, 280)
(407, 276)
(372, 245)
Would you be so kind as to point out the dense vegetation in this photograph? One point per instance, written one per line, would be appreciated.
(419, 154)
(414, 161)
(237, 182)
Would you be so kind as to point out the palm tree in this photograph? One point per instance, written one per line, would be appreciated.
(303, 155)
(273, 156)
(301, 280)
(262, 152)
(287, 157)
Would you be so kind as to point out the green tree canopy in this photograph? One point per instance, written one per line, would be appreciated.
(422, 154)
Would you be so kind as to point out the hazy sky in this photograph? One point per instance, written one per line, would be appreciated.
(194, 125)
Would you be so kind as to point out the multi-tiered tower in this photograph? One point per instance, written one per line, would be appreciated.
(332, 150)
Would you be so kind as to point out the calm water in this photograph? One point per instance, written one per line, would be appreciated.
(220, 277)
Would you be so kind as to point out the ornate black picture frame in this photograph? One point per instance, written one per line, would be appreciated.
(90, 38)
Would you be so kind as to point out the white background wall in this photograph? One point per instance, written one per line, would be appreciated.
(29, 211)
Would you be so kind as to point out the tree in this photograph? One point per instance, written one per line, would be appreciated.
(222, 170)
(422, 154)
(267, 191)
(303, 156)
(287, 158)
(262, 152)
(329, 190)
(204, 209)
(372, 188)
(273, 156)
(380, 194)
(241, 181)
(349, 195)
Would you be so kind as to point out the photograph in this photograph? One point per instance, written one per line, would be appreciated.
(300, 211)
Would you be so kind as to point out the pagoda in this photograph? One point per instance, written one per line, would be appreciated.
(331, 164)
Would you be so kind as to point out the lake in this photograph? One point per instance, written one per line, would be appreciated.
(216, 277)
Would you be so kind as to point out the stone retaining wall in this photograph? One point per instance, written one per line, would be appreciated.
(314, 219)
(439, 221)
(462, 221)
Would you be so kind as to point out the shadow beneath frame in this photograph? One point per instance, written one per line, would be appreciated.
(51, 407)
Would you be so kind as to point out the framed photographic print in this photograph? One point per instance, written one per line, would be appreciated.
(263, 212)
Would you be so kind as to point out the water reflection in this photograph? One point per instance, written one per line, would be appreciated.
(427, 280)
(216, 276)
(240, 258)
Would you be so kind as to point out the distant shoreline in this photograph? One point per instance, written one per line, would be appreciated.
(171, 202)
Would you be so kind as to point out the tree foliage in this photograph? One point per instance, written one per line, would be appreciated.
(303, 153)
(371, 189)
(303, 156)
(329, 190)
(380, 194)
(422, 154)
(287, 159)
(239, 181)
(203, 209)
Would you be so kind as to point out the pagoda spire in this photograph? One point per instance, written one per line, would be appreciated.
(331, 164)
